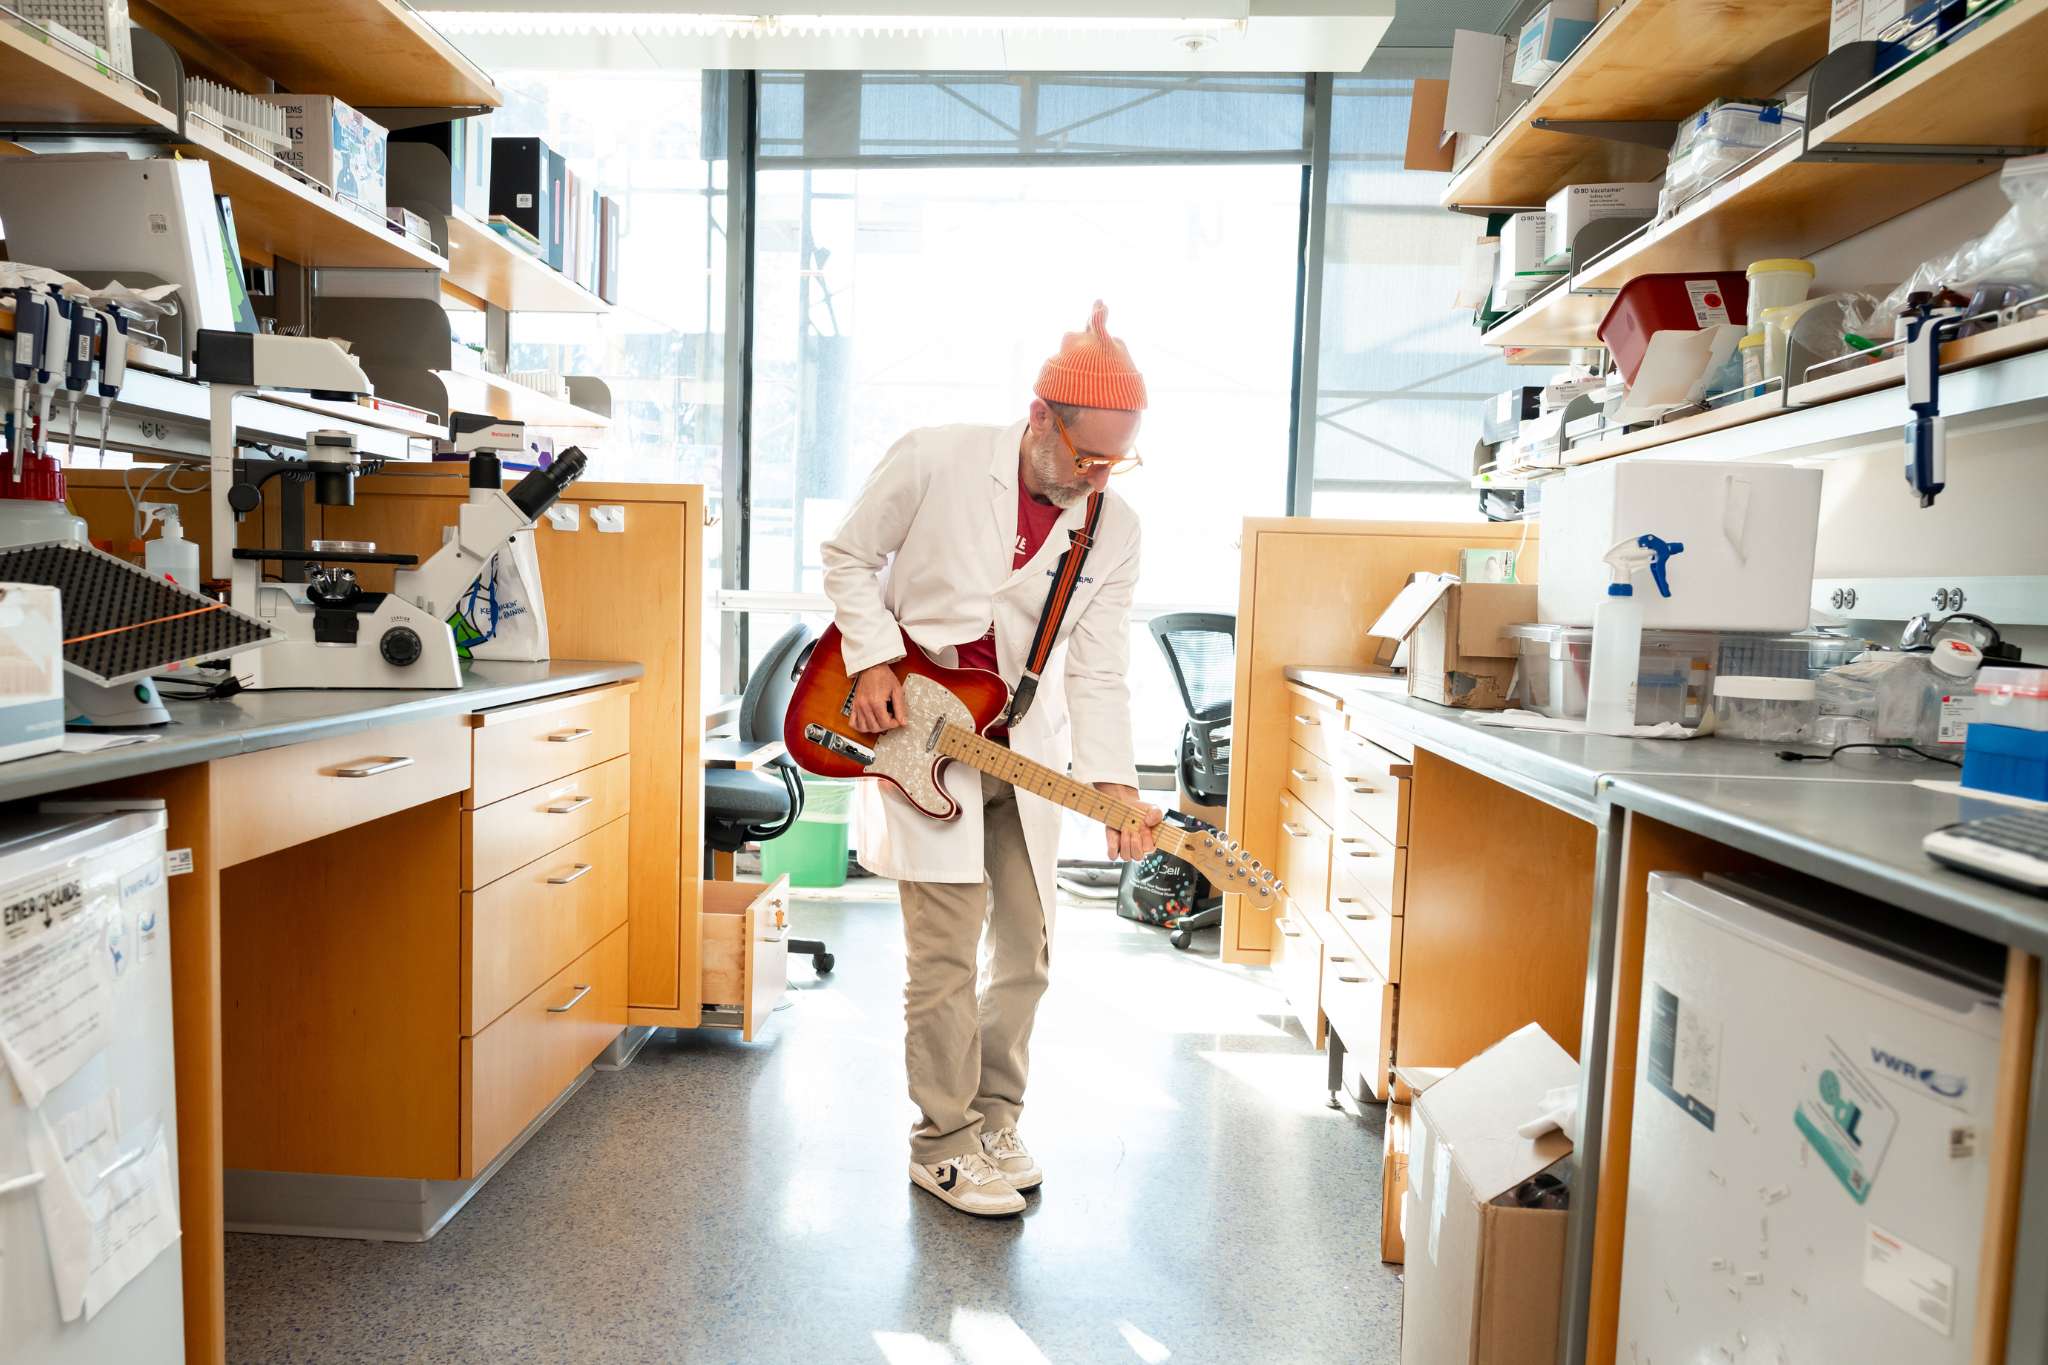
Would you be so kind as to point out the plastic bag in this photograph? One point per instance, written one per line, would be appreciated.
(2013, 251)
(503, 615)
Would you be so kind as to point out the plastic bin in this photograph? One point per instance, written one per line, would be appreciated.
(2008, 759)
(1804, 655)
(813, 852)
(2016, 697)
(1649, 304)
(1675, 683)
(1751, 707)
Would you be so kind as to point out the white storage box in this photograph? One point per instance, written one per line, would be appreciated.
(1748, 532)
(31, 670)
(1810, 1159)
(342, 148)
(1574, 206)
(1549, 37)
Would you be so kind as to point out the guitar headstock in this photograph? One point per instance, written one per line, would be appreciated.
(1230, 868)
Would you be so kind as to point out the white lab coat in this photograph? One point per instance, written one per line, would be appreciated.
(929, 544)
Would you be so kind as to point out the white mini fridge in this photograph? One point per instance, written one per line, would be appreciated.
(89, 1262)
(1808, 1174)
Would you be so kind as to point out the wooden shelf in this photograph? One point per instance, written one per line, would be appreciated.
(1649, 59)
(469, 392)
(1554, 318)
(1943, 100)
(276, 214)
(367, 52)
(44, 83)
(482, 263)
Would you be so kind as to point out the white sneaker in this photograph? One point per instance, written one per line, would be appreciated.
(971, 1184)
(1011, 1157)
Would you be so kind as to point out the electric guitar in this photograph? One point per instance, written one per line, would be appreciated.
(947, 711)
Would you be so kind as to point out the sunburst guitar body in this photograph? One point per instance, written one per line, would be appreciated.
(947, 714)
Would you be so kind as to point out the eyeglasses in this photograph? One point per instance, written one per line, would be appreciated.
(1084, 463)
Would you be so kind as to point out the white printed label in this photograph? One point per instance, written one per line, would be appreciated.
(1917, 1284)
(1709, 304)
(1956, 715)
(1439, 1197)
(177, 862)
(524, 201)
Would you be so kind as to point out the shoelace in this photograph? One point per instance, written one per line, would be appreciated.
(1004, 1144)
(979, 1169)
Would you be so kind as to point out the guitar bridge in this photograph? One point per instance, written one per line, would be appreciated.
(839, 744)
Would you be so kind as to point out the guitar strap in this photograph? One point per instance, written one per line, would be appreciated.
(1066, 576)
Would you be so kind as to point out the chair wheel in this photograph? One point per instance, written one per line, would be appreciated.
(822, 963)
(1180, 938)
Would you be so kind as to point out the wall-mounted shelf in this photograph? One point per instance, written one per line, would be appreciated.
(1558, 317)
(276, 214)
(473, 392)
(367, 52)
(482, 263)
(1648, 60)
(43, 83)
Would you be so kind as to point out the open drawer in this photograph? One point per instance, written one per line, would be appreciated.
(745, 961)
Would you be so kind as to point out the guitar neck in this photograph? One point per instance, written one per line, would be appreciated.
(997, 760)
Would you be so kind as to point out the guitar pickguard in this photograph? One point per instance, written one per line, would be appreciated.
(904, 755)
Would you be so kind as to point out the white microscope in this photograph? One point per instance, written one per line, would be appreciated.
(336, 633)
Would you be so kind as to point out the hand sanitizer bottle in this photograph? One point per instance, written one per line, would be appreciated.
(1618, 633)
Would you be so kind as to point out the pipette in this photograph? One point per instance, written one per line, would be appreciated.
(113, 366)
(56, 356)
(31, 328)
(80, 362)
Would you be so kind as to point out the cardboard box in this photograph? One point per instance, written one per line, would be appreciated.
(519, 186)
(1549, 37)
(1483, 1277)
(338, 146)
(31, 670)
(1393, 1183)
(1845, 23)
(1574, 206)
(1457, 655)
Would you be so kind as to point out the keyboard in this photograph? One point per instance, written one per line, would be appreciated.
(2011, 847)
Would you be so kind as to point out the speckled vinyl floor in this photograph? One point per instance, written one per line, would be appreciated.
(720, 1201)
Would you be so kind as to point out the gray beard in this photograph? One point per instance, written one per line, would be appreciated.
(1046, 465)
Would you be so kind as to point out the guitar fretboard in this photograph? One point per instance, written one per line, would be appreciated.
(997, 760)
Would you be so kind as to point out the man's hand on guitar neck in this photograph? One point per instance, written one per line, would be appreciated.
(878, 700)
(1124, 844)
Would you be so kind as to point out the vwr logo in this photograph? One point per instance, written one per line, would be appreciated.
(1941, 1083)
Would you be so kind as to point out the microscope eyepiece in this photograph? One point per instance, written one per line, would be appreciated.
(537, 492)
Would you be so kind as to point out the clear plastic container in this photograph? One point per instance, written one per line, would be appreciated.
(1776, 284)
(1902, 693)
(1675, 682)
(1749, 707)
(2013, 696)
(1805, 655)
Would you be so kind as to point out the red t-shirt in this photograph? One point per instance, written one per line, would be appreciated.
(1035, 521)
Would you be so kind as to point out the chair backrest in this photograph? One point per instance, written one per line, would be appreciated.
(772, 683)
(1201, 649)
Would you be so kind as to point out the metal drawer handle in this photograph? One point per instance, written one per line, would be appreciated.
(1343, 959)
(1303, 776)
(1287, 928)
(1353, 900)
(571, 736)
(571, 1003)
(1305, 720)
(1352, 980)
(564, 878)
(1294, 831)
(1361, 917)
(1361, 788)
(1363, 853)
(571, 806)
(373, 766)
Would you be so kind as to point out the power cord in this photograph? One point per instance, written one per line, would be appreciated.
(184, 689)
(1794, 756)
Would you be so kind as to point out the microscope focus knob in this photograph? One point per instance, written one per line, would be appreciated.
(401, 647)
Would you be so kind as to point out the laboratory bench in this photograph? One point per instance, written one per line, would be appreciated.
(1450, 882)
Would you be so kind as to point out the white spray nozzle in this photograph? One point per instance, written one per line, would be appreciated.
(163, 515)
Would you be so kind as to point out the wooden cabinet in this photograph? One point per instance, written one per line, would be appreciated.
(530, 923)
(1298, 969)
(745, 957)
(521, 747)
(505, 834)
(637, 593)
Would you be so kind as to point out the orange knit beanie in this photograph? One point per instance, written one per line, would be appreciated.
(1093, 370)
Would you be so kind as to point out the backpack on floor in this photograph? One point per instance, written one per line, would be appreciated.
(1159, 888)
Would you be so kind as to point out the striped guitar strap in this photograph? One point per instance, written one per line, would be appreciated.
(1066, 576)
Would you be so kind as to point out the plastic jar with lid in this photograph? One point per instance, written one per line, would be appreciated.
(1776, 284)
(1751, 352)
(2013, 696)
(1777, 709)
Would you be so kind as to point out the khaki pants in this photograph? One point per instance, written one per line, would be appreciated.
(968, 1050)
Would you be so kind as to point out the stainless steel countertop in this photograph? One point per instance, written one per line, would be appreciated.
(253, 721)
(1856, 821)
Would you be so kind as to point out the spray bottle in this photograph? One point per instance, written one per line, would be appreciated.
(170, 554)
(1618, 633)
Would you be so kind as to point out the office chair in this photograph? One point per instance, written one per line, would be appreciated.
(1201, 651)
(755, 807)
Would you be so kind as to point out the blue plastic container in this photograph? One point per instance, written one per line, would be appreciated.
(2007, 759)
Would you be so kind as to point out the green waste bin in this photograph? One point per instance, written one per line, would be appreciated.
(813, 852)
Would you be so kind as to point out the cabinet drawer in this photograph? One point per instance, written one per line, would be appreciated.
(519, 747)
(1368, 863)
(1360, 1008)
(509, 834)
(1303, 858)
(1372, 787)
(1373, 930)
(746, 960)
(1309, 777)
(530, 923)
(514, 1069)
(1312, 724)
(1297, 962)
(334, 784)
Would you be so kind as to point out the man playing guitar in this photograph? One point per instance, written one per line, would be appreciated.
(957, 541)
